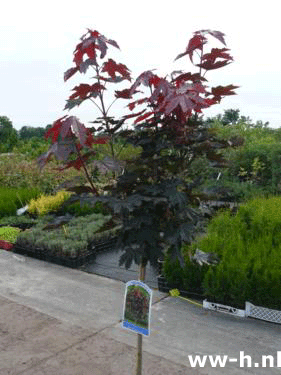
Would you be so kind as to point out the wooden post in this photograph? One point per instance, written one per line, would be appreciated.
(139, 343)
(139, 355)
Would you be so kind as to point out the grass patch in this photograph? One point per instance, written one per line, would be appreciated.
(12, 199)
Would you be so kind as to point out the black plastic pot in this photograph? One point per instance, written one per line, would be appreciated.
(162, 284)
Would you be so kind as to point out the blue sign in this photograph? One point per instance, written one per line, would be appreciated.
(137, 307)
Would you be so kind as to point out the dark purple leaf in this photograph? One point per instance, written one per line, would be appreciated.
(85, 91)
(145, 78)
(77, 163)
(111, 67)
(61, 150)
(144, 116)
(133, 115)
(102, 46)
(113, 43)
(71, 103)
(196, 77)
(220, 91)
(70, 72)
(163, 87)
(196, 42)
(217, 53)
(54, 131)
(117, 79)
(218, 35)
(136, 102)
(124, 94)
(83, 67)
(208, 65)
(72, 125)
(108, 164)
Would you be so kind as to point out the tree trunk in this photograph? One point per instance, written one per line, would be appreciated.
(139, 343)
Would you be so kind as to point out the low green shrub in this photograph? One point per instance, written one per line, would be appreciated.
(238, 191)
(12, 199)
(84, 208)
(22, 221)
(47, 203)
(9, 234)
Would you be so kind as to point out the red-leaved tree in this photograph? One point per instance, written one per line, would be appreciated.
(69, 136)
(151, 197)
(170, 103)
(176, 100)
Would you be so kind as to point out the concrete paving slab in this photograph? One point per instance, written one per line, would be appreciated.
(27, 336)
(180, 329)
(107, 264)
(71, 295)
(33, 343)
(81, 310)
(100, 355)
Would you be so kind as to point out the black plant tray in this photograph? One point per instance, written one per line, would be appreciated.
(21, 226)
(165, 287)
(72, 262)
(102, 245)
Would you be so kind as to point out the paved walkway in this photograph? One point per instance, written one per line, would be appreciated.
(107, 264)
(55, 320)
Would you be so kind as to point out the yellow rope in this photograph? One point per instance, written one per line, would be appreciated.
(176, 293)
(189, 300)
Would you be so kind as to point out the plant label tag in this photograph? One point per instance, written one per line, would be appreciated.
(137, 307)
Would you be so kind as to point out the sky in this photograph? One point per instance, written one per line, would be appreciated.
(37, 40)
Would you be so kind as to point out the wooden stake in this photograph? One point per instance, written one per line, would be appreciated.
(139, 343)
(139, 355)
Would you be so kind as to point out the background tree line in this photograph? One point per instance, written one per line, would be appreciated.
(28, 140)
(252, 169)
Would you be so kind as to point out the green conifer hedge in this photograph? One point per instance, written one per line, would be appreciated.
(249, 247)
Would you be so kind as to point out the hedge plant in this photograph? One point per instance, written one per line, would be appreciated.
(249, 246)
(189, 278)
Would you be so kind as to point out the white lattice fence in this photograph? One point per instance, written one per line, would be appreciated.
(250, 311)
(263, 313)
(223, 308)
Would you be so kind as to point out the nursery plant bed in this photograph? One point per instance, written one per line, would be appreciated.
(68, 261)
(62, 261)
(104, 241)
(22, 223)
